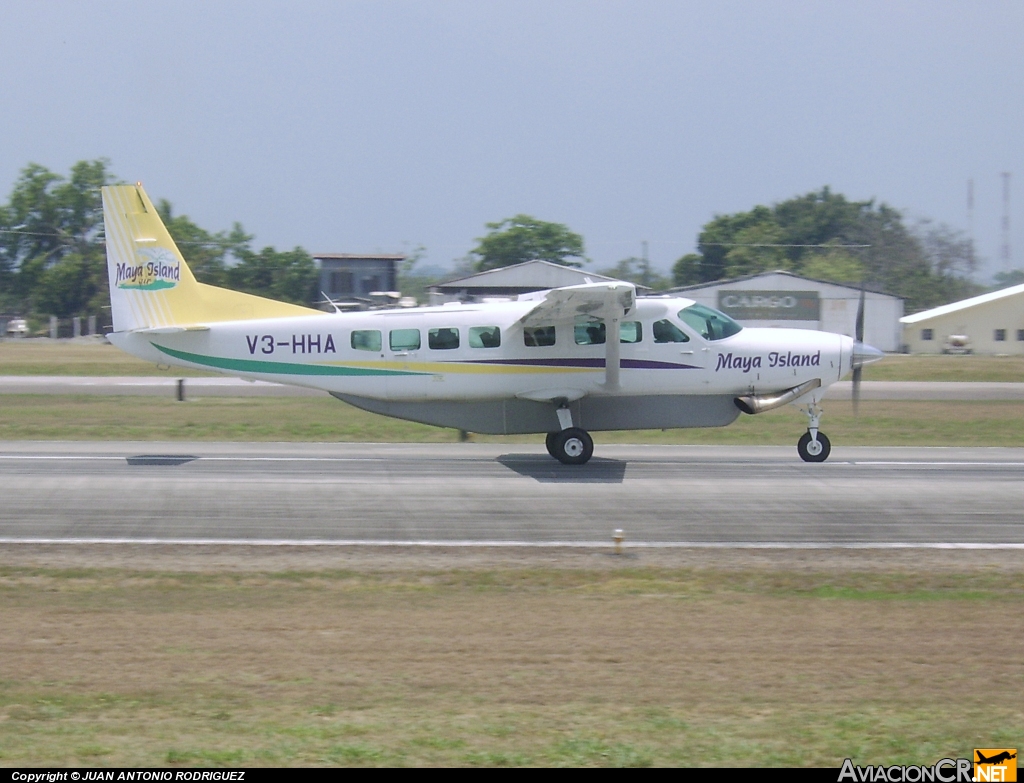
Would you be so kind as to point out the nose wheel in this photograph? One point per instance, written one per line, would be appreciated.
(814, 449)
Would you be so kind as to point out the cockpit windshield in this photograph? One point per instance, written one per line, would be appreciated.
(708, 322)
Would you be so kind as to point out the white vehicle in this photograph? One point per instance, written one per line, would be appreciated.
(17, 326)
(540, 364)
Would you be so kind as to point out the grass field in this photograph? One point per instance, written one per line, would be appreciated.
(96, 357)
(113, 659)
(87, 417)
(611, 666)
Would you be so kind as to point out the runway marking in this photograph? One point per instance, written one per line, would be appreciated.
(837, 463)
(942, 464)
(465, 544)
(57, 458)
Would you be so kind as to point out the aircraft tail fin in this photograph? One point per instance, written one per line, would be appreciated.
(151, 286)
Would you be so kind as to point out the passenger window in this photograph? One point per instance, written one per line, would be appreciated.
(631, 332)
(590, 332)
(538, 336)
(667, 332)
(366, 340)
(484, 337)
(404, 339)
(443, 339)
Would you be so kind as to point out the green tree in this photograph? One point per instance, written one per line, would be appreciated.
(50, 220)
(204, 251)
(834, 263)
(1007, 279)
(524, 238)
(639, 271)
(287, 275)
(825, 236)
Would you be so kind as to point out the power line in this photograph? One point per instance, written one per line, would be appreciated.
(772, 244)
(69, 238)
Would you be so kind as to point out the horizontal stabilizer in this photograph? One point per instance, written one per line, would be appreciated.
(172, 329)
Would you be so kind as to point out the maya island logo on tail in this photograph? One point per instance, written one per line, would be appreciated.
(156, 268)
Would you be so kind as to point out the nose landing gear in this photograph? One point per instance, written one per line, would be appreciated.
(813, 446)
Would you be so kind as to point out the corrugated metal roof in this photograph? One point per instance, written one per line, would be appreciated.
(964, 304)
(728, 281)
(529, 273)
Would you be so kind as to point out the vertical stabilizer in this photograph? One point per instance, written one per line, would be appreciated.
(151, 286)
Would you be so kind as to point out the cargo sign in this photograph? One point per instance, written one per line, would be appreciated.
(770, 305)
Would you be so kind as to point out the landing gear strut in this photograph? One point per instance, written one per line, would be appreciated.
(813, 446)
(571, 445)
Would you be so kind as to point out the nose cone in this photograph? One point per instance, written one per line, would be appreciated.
(865, 354)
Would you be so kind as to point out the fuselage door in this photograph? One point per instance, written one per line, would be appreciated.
(408, 379)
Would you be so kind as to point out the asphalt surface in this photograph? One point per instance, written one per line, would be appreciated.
(167, 386)
(508, 493)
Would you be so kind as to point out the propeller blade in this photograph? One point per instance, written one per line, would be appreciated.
(858, 366)
(860, 317)
(856, 389)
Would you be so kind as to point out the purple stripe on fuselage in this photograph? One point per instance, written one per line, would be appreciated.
(598, 364)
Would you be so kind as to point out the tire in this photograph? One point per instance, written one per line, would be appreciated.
(804, 448)
(549, 441)
(573, 446)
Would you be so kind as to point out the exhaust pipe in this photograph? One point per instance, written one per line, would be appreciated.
(759, 403)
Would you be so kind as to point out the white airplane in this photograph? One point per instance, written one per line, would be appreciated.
(539, 364)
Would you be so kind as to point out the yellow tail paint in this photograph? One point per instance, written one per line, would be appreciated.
(151, 286)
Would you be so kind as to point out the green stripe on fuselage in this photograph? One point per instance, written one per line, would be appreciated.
(276, 368)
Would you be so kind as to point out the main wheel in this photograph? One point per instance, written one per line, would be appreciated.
(549, 441)
(572, 446)
(811, 451)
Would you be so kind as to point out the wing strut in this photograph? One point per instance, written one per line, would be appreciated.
(608, 301)
(612, 349)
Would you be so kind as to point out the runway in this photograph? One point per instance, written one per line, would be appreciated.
(508, 494)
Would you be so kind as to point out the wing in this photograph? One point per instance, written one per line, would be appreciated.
(608, 301)
(600, 300)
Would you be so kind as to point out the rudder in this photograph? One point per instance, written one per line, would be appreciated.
(151, 286)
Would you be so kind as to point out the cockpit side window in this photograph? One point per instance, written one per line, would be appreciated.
(667, 332)
(708, 322)
(589, 332)
(631, 332)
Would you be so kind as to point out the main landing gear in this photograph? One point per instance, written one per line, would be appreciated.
(571, 445)
(813, 446)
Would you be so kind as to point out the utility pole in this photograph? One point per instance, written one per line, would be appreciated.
(1005, 250)
(970, 222)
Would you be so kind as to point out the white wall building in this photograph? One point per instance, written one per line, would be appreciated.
(786, 300)
(987, 324)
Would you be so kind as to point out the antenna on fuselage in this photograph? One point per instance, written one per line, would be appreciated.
(331, 302)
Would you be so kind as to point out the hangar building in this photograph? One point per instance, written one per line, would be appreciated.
(787, 300)
(510, 281)
(992, 323)
(349, 277)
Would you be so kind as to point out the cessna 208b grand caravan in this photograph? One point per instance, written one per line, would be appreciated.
(562, 362)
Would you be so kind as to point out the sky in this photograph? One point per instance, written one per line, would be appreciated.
(382, 126)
